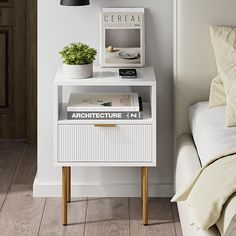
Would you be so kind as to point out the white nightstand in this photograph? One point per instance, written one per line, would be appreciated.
(109, 143)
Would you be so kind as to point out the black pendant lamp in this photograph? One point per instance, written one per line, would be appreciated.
(74, 2)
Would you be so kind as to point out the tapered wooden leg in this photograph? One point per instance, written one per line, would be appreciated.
(145, 194)
(68, 179)
(64, 195)
(141, 184)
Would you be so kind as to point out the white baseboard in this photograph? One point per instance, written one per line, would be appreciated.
(102, 190)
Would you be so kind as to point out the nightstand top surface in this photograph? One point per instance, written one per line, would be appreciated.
(109, 76)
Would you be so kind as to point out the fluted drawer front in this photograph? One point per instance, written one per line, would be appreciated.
(87, 143)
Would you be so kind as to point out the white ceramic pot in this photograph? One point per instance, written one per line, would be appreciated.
(78, 71)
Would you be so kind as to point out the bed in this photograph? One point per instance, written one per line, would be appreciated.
(194, 68)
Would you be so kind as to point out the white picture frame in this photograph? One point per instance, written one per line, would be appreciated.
(122, 37)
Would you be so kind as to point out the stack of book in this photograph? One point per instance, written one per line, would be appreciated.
(104, 106)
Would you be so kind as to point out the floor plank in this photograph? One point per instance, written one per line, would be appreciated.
(27, 167)
(11, 146)
(107, 217)
(10, 153)
(51, 223)
(21, 213)
(177, 224)
(160, 218)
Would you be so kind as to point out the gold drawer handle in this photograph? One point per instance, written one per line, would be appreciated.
(105, 125)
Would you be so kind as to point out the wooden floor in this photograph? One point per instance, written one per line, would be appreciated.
(21, 214)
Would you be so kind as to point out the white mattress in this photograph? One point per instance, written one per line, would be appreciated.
(211, 136)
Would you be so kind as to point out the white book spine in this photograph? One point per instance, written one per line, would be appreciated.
(102, 109)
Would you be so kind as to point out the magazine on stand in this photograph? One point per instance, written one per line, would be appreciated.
(122, 37)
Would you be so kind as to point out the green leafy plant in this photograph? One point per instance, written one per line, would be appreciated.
(78, 54)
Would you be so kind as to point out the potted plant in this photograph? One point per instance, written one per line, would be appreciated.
(78, 60)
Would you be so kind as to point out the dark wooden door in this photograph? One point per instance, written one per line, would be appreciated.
(13, 69)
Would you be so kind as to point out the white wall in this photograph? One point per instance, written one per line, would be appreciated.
(57, 26)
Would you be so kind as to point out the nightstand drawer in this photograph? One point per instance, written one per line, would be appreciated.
(104, 143)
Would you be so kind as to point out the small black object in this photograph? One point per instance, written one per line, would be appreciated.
(128, 73)
(107, 104)
(140, 103)
(74, 2)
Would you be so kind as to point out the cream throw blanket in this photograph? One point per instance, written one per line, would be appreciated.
(209, 190)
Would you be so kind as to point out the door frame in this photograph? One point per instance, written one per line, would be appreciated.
(31, 132)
